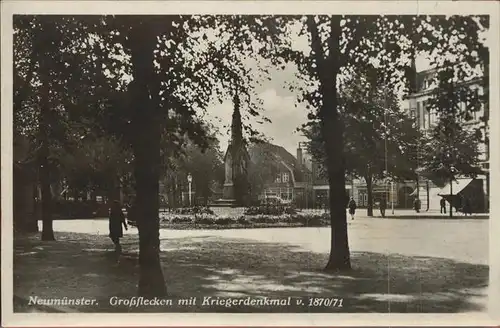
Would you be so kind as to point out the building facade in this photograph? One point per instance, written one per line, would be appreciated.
(398, 194)
(281, 174)
(416, 105)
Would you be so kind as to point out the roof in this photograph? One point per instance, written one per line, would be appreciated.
(280, 154)
(458, 186)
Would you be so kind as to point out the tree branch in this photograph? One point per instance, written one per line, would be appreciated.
(318, 54)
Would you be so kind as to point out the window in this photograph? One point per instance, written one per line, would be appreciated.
(285, 177)
(278, 178)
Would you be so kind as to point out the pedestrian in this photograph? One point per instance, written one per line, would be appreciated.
(382, 206)
(352, 207)
(467, 207)
(116, 219)
(442, 202)
(416, 205)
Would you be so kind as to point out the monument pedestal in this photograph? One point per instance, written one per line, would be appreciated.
(228, 191)
(227, 199)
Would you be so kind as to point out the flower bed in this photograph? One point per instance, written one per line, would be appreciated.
(193, 210)
(209, 221)
(270, 210)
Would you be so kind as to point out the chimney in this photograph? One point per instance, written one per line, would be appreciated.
(299, 156)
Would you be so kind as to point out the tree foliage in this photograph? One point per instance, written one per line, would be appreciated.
(380, 139)
(453, 148)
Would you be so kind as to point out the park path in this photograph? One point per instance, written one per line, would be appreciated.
(464, 240)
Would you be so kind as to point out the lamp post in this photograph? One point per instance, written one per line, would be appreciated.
(190, 179)
(453, 170)
(392, 197)
(309, 181)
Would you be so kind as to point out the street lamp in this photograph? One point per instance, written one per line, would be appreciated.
(309, 175)
(453, 170)
(190, 179)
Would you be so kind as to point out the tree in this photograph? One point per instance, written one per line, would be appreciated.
(171, 80)
(205, 164)
(40, 51)
(379, 137)
(338, 43)
(97, 165)
(56, 80)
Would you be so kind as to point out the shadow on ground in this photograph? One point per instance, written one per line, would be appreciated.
(82, 265)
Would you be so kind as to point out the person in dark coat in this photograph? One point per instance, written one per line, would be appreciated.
(383, 206)
(116, 219)
(442, 203)
(416, 205)
(352, 207)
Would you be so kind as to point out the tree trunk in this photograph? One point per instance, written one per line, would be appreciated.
(369, 192)
(332, 132)
(146, 148)
(44, 170)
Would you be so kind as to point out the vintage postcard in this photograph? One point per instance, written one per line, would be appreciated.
(208, 163)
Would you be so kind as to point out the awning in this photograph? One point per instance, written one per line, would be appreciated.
(458, 186)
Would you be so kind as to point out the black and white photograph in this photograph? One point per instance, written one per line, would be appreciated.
(234, 157)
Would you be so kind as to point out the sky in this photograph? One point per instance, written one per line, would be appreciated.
(280, 106)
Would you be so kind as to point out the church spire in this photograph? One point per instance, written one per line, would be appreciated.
(236, 124)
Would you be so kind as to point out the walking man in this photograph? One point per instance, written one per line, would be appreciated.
(383, 206)
(116, 220)
(442, 202)
(352, 207)
(416, 205)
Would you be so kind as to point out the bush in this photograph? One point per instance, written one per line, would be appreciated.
(305, 220)
(270, 210)
(193, 210)
(264, 219)
(243, 220)
(225, 221)
(204, 220)
(181, 219)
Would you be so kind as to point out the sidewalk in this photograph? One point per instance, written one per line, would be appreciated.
(81, 265)
(431, 214)
(410, 214)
